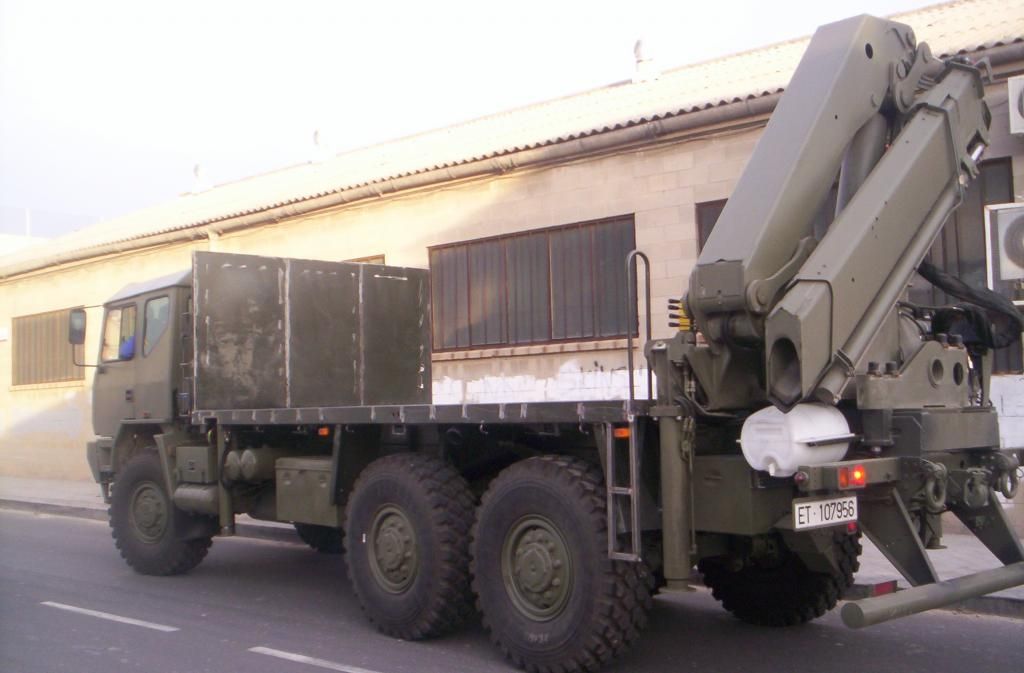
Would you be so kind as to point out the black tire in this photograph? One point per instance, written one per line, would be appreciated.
(544, 519)
(786, 592)
(146, 525)
(407, 529)
(324, 539)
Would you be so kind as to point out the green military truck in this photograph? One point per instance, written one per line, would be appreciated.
(807, 403)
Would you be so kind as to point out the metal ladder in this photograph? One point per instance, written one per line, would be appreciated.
(614, 490)
(187, 363)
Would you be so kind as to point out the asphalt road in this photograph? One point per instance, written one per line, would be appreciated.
(259, 606)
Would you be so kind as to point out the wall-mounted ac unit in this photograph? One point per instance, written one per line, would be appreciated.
(1015, 86)
(1004, 242)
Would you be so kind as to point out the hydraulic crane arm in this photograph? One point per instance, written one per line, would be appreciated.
(815, 308)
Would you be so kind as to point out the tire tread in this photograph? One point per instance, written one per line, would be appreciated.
(625, 598)
(182, 555)
(451, 507)
(788, 595)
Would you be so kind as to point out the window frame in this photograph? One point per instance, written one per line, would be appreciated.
(706, 214)
(369, 259)
(57, 365)
(147, 347)
(121, 336)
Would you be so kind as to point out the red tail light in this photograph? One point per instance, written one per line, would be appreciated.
(853, 477)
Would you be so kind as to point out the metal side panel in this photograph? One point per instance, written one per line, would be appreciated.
(286, 334)
(394, 306)
(240, 338)
(325, 344)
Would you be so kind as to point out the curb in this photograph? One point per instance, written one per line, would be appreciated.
(54, 508)
(995, 606)
(247, 530)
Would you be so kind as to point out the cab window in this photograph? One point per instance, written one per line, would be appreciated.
(157, 318)
(119, 334)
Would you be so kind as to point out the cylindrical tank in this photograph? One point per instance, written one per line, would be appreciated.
(197, 498)
(258, 464)
(233, 466)
(810, 434)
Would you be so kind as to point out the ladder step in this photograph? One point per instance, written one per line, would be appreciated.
(621, 490)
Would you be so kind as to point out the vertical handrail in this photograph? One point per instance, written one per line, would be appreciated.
(610, 487)
(631, 303)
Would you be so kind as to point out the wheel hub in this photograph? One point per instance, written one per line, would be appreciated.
(393, 557)
(537, 568)
(149, 512)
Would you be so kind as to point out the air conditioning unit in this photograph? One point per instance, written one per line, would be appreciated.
(1004, 241)
(1015, 86)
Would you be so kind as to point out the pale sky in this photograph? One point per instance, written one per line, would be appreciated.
(107, 105)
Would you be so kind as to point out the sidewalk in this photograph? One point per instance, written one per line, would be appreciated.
(82, 499)
(963, 555)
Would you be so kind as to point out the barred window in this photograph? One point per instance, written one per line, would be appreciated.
(40, 351)
(560, 284)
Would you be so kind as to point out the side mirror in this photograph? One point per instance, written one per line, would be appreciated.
(76, 327)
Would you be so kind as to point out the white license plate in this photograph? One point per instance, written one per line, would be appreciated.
(809, 513)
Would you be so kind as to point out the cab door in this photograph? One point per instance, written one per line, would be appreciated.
(157, 357)
(114, 385)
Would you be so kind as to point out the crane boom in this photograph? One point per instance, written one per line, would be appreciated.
(762, 280)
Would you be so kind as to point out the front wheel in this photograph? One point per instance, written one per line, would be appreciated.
(549, 594)
(145, 524)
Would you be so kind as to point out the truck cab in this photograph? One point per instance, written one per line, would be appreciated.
(140, 385)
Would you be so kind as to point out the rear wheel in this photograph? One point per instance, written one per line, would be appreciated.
(407, 545)
(324, 539)
(146, 525)
(549, 595)
(782, 591)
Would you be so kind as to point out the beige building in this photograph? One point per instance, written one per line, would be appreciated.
(523, 219)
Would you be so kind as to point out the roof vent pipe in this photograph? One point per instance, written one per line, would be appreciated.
(644, 70)
(198, 179)
(321, 147)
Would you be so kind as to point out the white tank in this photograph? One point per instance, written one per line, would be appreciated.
(778, 443)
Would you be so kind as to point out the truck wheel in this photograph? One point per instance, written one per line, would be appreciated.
(324, 539)
(145, 523)
(784, 592)
(550, 597)
(407, 545)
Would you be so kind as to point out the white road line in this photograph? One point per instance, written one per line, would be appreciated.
(108, 616)
(312, 661)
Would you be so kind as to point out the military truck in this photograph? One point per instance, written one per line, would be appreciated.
(802, 402)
